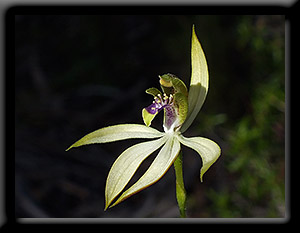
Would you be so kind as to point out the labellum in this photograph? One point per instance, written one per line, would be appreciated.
(174, 102)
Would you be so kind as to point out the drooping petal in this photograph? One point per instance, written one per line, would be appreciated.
(206, 148)
(157, 169)
(116, 133)
(126, 165)
(199, 82)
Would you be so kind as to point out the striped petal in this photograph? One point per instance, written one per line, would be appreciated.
(199, 82)
(126, 165)
(157, 169)
(116, 133)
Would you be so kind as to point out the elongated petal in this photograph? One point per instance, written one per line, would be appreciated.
(157, 169)
(116, 133)
(126, 165)
(199, 82)
(207, 149)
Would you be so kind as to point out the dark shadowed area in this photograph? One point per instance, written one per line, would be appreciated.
(76, 74)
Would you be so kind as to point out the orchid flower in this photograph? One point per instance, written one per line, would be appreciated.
(180, 107)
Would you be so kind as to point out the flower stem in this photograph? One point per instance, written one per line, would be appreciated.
(180, 190)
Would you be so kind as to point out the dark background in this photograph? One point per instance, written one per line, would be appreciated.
(75, 74)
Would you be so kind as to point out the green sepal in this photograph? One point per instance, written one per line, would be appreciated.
(147, 117)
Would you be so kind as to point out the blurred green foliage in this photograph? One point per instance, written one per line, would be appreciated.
(254, 156)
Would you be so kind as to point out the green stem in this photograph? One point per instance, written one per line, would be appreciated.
(180, 190)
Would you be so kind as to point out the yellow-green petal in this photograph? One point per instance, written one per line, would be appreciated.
(199, 81)
(157, 169)
(116, 133)
(148, 117)
(126, 165)
(206, 148)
